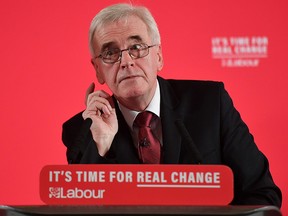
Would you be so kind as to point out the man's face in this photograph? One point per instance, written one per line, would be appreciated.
(128, 78)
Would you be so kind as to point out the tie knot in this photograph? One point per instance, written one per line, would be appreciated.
(143, 119)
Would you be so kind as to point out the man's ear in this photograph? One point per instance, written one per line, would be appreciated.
(160, 59)
(98, 74)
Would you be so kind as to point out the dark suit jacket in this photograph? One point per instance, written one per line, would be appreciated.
(216, 128)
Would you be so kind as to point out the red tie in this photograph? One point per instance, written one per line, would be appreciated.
(149, 145)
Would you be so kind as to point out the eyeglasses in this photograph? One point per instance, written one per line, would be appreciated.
(136, 51)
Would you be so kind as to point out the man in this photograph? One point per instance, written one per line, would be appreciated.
(193, 121)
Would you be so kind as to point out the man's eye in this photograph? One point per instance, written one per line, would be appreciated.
(136, 47)
(111, 52)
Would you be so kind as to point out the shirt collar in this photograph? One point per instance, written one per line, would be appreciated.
(153, 107)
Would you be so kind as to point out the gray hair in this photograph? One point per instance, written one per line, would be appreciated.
(119, 11)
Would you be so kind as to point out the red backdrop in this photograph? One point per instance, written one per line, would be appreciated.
(45, 70)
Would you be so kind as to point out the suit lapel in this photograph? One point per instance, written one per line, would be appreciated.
(170, 134)
(122, 147)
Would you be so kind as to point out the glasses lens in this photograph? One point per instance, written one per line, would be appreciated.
(138, 50)
(111, 56)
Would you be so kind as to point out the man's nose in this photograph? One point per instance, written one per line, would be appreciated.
(126, 59)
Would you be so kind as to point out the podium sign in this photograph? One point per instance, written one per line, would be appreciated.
(136, 185)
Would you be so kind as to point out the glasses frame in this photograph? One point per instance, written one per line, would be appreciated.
(146, 47)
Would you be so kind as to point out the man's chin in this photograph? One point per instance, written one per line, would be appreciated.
(130, 94)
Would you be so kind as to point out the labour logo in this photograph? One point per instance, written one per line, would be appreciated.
(54, 192)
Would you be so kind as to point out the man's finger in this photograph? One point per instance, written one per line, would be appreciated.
(89, 91)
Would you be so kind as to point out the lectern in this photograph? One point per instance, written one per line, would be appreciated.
(81, 190)
(139, 210)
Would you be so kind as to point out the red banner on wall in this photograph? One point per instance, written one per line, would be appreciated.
(136, 185)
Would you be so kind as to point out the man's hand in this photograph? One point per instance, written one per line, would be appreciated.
(100, 108)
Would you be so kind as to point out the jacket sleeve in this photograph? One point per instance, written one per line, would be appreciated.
(253, 182)
(81, 148)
